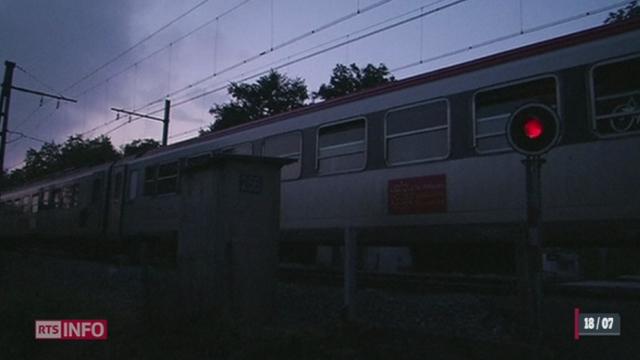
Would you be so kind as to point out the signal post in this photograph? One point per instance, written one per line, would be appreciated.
(532, 130)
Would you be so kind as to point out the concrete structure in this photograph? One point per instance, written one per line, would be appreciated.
(228, 233)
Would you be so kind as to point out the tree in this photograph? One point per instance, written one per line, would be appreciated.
(78, 152)
(75, 152)
(39, 163)
(630, 11)
(349, 79)
(271, 94)
(138, 146)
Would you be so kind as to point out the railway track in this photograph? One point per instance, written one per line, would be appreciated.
(410, 282)
(479, 284)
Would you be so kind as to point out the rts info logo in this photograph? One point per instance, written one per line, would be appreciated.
(71, 329)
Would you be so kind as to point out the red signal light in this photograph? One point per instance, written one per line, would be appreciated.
(533, 128)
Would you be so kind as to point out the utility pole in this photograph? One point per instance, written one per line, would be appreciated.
(4, 109)
(164, 120)
(5, 97)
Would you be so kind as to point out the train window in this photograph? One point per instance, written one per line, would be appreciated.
(35, 199)
(75, 195)
(341, 147)
(286, 146)
(117, 187)
(167, 178)
(493, 107)
(57, 198)
(239, 149)
(417, 133)
(45, 198)
(26, 204)
(150, 180)
(162, 179)
(67, 197)
(133, 185)
(616, 97)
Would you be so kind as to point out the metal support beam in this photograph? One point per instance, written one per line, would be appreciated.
(164, 119)
(533, 247)
(40, 93)
(5, 98)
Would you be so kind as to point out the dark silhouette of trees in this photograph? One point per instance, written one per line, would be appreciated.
(271, 94)
(138, 146)
(75, 152)
(349, 79)
(79, 152)
(630, 11)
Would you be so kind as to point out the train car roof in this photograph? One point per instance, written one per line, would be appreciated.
(59, 177)
(572, 39)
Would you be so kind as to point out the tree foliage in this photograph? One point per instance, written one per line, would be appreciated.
(271, 94)
(349, 79)
(139, 146)
(75, 152)
(630, 11)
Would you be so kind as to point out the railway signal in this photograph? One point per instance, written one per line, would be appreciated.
(533, 129)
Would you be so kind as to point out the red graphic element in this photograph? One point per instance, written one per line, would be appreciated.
(71, 329)
(419, 195)
(576, 323)
(533, 128)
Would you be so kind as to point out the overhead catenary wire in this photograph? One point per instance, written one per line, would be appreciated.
(272, 49)
(165, 47)
(117, 57)
(555, 23)
(24, 136)
(448, 54)
(512, 35)
(245, 61)
(36, 79)
(330, 48)
(138, 43)
(348, 41)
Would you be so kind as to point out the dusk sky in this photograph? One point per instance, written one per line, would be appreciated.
(120, 53)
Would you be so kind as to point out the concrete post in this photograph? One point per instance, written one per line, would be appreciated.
(227, 242)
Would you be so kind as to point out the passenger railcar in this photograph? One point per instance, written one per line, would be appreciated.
(420, 166)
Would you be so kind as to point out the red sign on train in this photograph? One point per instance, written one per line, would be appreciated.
(419, 195)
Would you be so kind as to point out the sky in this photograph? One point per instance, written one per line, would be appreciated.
(133, 54)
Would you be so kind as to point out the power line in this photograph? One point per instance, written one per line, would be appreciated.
(34, 78)
(112, 60)
(169, 45)
(287, 58)
(520, 32)
(187, 100)
(330, 48)
(24, 136)
(455, 52)
(273, 48)
(128, 50)
(247, 60)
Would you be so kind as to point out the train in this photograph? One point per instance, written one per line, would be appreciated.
(420, 167)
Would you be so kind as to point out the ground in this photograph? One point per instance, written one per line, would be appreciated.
(306, 324)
